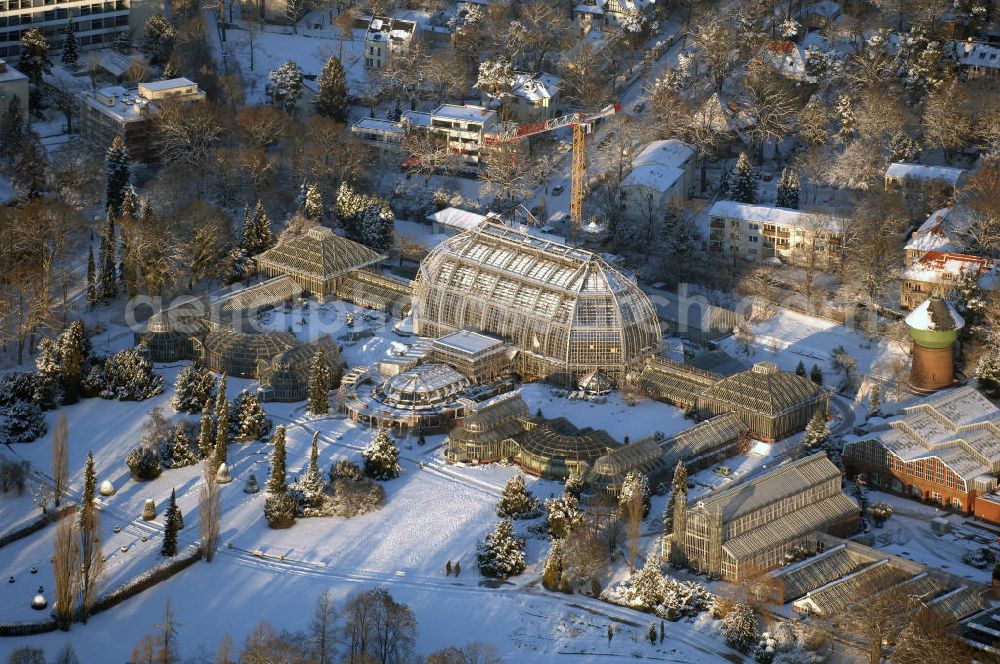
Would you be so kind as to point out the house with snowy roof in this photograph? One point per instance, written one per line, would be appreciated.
(936, 273)
(788, 60)
(663, 173)
(600, 15)
(757, 232)
(386, 37)
(534, 97)
(918, 180)
(452, 221)
(944, 449)
(942, 231)
(978, 59)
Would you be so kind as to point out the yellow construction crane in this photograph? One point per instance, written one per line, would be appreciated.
(582, 124)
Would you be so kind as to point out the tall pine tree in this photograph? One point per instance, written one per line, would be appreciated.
(91, 278)
(171, 519)
(107, 278)
(788, 190)
(744, 185)
(35, 61)
(276, 483)
(71, 50)
(118, 175)
(319, 384)
(206, 435)
(221, 424)
(331, 97)
(677, 488)
(89, 529)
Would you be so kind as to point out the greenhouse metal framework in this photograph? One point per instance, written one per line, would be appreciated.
(566, 310)
(317, 260)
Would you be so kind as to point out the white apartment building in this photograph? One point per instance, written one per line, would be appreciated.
(386, 37)
(97, 23)
(757, 232)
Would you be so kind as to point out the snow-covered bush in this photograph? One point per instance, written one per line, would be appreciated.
(345, 469)
(675, 599)
(880, 512)
(353, 498)
(382, 457)
(501, 555)
(17, 386)
(195, 386)
(635, 486)
(516, 502)
(180, 451)
(740, 626)
(144, 462)
(413, 199)
(279, 509)
(129, 376)
(21, 422)
(247, 419)
(562, 515)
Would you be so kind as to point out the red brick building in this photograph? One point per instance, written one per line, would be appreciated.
(945, 449)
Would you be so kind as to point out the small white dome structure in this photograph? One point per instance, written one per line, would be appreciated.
(222, 475)
(39, 602)
(107, 488)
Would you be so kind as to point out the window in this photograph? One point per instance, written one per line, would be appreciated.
(754, 238)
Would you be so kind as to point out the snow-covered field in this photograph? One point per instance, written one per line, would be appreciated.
(433, 513)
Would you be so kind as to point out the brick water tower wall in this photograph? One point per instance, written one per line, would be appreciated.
(932, 369)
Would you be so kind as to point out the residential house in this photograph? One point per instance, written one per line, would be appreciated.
(13, 85)
(386, 37)
(915, 181)
(788, 59)
(756, 232)
(944, 449)
(663, 173)
(128, 112)
(601, 15)
(452, 221)
(978, 60)
(936, 273)
(942, 231)
(753, 527)
(534, 97)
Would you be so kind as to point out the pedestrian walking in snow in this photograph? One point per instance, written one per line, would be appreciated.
(447, 569)
(458, 568)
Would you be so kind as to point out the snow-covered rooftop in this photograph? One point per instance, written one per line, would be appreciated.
(468, 342)
(906, 171)
(935, 314)
(535, 87)
(766, 214)
(417, 118)
(659, 165)
(940, 232)
(464, 113)
(977, 54)
(8, 73)
(937, 266)
(456, 218)
(788, 59)
(380, 124)
(166, 84)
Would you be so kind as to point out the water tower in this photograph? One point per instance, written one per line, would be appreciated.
(934, 327)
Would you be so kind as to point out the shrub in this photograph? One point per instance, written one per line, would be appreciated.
(22, 422)
(279, 510)
(144, 463)
(129, 376)
(345, 469)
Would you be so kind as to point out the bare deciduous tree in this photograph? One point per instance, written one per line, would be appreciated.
(322, 630)
(66, 570)
(209, 512)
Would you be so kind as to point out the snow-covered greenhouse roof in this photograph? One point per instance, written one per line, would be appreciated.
(674, 381)
(785, 480)
(424, 385)
(268, 293)
(765, 389)
(318, 254)
(558, 438)
(565, 306)
(497, 419)
(812, 573)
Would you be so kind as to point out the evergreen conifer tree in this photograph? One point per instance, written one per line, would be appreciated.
(516, 502)
(648, 582)
(988, 369)
(206, 435)
(634, 483)
(553, 568)
(382, 457)
(788, 189)
(276, 483)
(74, 354)
(171, 526)
(180, 449)
(501, 555)
(248, 421)
(678, 490)
(319, 384)
(875, 402)
(816, 375)
(91, 278)
(744, 185)
(35, 61)
(331, 96)
(171, 69)
(194, 387)
(312, 206)
(312, 483)
(800, 369)
(118, 175)
(817, 434)
(221, 423)
(107, 278)
(71, 50)
(89, 529)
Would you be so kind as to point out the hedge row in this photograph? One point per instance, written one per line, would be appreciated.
(33, 525)
(28, 628)
(159, 572)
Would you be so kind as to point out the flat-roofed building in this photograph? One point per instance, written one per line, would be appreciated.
(480, 357)
(661, 174)
(451, 220)
(917, 181)
(128, 112)
(756, 232)
(97, 23)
